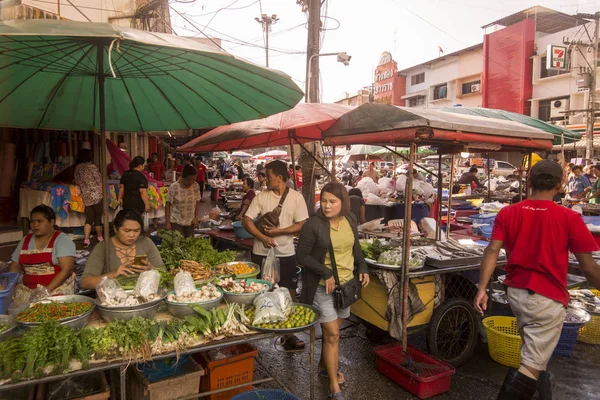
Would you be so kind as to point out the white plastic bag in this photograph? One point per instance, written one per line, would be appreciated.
(270, 268)
(267, 310)
(366, 186)
(146, 286)
(184, 284)
(283, 300)
(110, 292)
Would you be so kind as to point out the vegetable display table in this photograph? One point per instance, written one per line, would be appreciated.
(228, 237)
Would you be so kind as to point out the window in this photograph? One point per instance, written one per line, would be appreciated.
(418, 78)
(440, 92)
(545, 73)
(471, 87)
(544, 110)
(416, 101)
(505, 165)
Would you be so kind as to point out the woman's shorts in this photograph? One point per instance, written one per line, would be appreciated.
(328, 311)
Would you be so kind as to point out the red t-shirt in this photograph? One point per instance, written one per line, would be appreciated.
(249, 195)
(299, 179)
(537, 236)
(201, 172)
(179, 168)
(157, 168)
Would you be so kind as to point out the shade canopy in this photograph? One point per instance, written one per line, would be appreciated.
(305, 123)
(154, 82)
(271, 154)
(557, 131)
(241, 154)
(382, 124)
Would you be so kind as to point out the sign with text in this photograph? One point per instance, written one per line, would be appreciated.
(556, 57)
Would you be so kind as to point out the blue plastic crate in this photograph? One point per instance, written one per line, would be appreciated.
(161, 369)
(590, 219)
(482, 220)
(7, 293)
(265, 394)
(568, 337)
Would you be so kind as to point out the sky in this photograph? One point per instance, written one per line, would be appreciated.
(411, 30)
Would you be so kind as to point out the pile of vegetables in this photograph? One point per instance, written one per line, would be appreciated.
(41, 312)
(239, 268)
(299, 317)
(233, 286)
(3, 328)
(175, 247)
(373, 248)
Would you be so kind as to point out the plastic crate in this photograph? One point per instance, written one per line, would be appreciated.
(432, 379)
(482, 220)
(227, 372)
(504, 342)
(590, 332)
(6, 295)
(162, 369)
(265, 394)
(95, 385)
(568, 338)
(174, 387)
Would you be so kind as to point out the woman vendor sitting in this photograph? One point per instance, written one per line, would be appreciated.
(46, 257)
(125, 245)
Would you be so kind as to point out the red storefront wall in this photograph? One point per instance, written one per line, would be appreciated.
(507, 67)
(389, 90)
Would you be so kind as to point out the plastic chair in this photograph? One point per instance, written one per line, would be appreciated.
(219, 192)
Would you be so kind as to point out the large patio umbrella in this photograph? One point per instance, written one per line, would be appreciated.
(94, 76)
(241, 154)
(271, 154)
(303, 123)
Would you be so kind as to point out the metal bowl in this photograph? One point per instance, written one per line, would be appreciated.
(184, 309)
(584, 316)
(11, 324)
(253, 274)
(292, 330)
(144, 310)
(245, 298)
(76, 322)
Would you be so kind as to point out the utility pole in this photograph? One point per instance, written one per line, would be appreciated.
(312, 48)
(589, 132)
(266, 23)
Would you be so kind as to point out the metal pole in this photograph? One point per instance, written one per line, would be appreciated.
(100, 61)
(450, 196)
(489, 196)
(521, 179)
(529, 157)
(292, 132)
(406, 244)
(312, 362)
(266, 28)
(333, 179)
(589, 132)
(438, 211)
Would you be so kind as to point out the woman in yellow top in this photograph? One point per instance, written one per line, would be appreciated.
(336, 226)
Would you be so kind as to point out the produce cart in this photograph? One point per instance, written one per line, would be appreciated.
(447, 291)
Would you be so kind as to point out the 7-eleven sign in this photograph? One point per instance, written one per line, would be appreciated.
(556, 57)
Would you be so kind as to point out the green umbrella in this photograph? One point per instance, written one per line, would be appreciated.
(95, 76)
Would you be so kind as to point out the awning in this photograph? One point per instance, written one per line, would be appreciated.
(579, 145)
(415, 94)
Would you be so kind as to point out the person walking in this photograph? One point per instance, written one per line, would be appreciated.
(537, 235)
(133, 188)
(371, 173)
(330, 240)
(183, 203)
(293, 214)
(156, 167)
(87, 177)
(201, 168)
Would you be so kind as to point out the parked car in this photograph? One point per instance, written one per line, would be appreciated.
(503, 168)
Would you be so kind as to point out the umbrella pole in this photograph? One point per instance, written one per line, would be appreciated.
(100, 61)
(438, 210)
(333, 165)
(291, 133)
(489, 196)
(450, 196)
(406, 245)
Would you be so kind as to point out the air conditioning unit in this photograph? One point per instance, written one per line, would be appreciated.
(558, 108)
(476, 87)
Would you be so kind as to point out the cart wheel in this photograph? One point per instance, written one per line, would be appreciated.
(452, 333)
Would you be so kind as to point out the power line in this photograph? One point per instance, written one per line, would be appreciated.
(216, 13)
(228, 8)
(86, 7)
(194, 25)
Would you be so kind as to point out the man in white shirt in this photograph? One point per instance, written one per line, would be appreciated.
(294, 214)
(183, 201)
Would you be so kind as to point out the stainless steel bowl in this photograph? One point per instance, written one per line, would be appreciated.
(242, 276)
(246, 298)
(144, 310)
(77, 322)
(11, 325)
(184, 309)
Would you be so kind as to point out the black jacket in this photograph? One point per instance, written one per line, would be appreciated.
(313, 245)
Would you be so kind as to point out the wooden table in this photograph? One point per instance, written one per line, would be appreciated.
(228, 237)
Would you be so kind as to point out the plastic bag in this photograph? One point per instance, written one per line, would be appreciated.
(110, 292)
(270, 270)
(267, 310)
(147, 285)
(184, 283)
(283, 300)
(39, 293)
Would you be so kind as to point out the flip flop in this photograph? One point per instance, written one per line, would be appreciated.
(341, 377)
(336, 396)
(291, 343)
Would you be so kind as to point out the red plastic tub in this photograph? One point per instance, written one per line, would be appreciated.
(418, 372)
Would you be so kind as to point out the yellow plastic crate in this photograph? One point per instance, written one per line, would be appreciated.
(504, 342)
(590, 332)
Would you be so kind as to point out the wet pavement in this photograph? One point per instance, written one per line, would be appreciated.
(480, 378)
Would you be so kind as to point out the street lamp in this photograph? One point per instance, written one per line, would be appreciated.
(342, 57)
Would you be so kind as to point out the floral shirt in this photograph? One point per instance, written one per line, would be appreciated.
(87, 176)
(183, 203)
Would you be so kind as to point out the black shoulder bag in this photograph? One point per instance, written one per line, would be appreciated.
(344, 295)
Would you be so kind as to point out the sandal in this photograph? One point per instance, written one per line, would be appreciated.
(341, 377)
(86, 243)
(291, 343)
(336, 396)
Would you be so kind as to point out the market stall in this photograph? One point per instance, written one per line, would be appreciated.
(430, 285)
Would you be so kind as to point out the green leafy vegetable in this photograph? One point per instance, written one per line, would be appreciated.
(175, 248)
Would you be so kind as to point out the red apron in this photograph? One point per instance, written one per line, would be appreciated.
(37, 264)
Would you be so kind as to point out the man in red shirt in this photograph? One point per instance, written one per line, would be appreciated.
(157, 168)
(201, 176)
(537, 235)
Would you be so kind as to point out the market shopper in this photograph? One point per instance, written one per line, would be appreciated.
(261, 181)
(357, 205)
(293, 215)
(125, 245)
(201, 176)
(328, 238)
(371, 173)
(578, 183)
(537, 235)
(594, 190)
(156, 167)
(249, 194)
(133, 188)
(46, 257)
(87, 177)
(467, 178)
(183, 203)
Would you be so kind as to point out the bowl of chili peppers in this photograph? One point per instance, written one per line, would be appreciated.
(71, 310)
